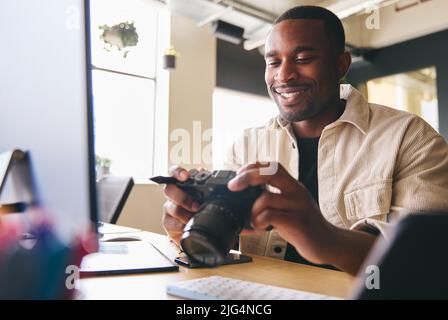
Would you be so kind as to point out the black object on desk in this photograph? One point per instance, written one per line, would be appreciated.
(232, 258)
(411, 264)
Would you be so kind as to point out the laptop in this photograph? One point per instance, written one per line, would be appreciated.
(112, 192)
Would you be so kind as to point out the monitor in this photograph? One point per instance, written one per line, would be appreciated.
(46, 110)
(46, 105)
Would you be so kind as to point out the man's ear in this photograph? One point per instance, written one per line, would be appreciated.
(344, 62)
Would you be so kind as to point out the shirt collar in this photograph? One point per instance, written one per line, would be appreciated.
(356, 111)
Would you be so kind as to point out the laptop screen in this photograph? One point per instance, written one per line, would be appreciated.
(112, 195)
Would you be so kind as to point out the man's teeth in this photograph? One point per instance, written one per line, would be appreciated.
(292, 94)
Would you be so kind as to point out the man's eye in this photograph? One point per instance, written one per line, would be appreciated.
(304, 59)
(272, 63)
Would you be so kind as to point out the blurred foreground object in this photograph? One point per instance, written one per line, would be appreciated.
(411, 264)
(35, 264)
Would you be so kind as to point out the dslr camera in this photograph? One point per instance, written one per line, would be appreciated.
(213, 231)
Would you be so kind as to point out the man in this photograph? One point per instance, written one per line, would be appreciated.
(346, 167)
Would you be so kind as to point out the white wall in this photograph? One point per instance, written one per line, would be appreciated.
(191, 88)
(143, 210)
(395, 27)
(193, 82)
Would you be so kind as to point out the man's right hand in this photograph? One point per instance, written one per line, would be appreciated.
(179, 208)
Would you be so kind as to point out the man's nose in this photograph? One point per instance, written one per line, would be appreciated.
(286, 72)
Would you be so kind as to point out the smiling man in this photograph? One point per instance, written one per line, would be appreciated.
(303, 72)
(346, 168)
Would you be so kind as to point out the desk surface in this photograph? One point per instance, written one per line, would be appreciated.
(262, 270)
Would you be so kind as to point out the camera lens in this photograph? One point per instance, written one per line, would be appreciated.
(211, 233)
(199, 248)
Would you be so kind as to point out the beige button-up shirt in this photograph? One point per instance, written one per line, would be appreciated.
(375, 164)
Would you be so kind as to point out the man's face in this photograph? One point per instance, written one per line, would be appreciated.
(301, 69)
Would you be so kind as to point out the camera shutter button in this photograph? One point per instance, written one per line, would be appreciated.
(193, 173)
(202, 176)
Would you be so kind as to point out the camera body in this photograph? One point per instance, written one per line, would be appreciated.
(213, 231)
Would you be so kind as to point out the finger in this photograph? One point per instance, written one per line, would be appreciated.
(253, 166)
(177, 212)
(252, 177)
(268, 218)
(248, 232)
(180, 197)
(173, 227)
(179, 173)
(260, 165)
(276, 201)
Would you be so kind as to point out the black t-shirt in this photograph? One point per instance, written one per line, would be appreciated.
(308, 164)
(308, 176)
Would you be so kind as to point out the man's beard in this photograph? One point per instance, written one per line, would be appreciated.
(307, 113)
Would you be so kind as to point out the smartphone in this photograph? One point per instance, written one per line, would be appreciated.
(232, 258)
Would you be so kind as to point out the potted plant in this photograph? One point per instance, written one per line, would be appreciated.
(102, 166)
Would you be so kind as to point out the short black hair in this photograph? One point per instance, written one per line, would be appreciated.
(333, 25)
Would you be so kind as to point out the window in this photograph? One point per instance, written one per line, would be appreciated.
(233, 112)
(414, 91)
(124, 58)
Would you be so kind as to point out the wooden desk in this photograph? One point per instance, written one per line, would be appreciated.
(262, 270)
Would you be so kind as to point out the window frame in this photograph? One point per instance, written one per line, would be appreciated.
(160, 95)
(395, 59)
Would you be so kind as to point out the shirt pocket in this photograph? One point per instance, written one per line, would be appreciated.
(369, 200)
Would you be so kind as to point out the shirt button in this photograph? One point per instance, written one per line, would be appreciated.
(277, 249)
